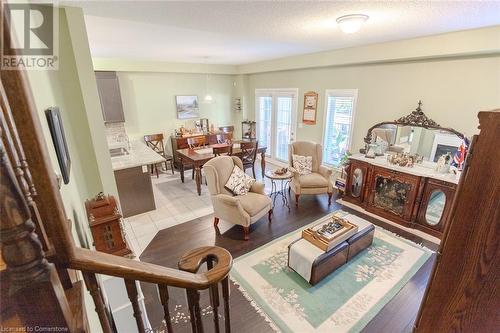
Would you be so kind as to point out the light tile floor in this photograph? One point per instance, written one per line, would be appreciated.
(176, 203)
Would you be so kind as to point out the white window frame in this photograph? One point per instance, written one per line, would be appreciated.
(272, 92)
(340, 93)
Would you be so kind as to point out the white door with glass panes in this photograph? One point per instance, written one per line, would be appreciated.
(276, 117)
(340, 106)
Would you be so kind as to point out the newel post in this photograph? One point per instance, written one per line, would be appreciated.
(34, 286)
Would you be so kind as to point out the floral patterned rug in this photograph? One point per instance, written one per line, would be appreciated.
(345, 301)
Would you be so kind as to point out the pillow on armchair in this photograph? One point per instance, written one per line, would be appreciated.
(239, 183)
(303, 164)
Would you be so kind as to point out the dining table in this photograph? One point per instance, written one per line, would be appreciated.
(199, 156)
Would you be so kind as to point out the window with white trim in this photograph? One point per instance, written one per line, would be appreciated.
(340, 106)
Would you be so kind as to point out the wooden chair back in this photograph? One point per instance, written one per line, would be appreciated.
(224, 150)
(196, 142)
(249, 151)
(155, 142)
(224, 137)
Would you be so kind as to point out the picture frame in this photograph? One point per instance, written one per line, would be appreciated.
(187, 106)
(56, 128)
(310, 108)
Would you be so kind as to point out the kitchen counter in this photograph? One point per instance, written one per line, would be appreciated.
(139, 154)
(424, 170)
(133, 177)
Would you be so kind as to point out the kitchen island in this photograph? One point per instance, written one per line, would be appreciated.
(133, 178)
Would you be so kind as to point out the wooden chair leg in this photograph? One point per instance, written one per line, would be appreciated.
(172, 166)
(297, 200)
(329, 198)
(156, 168)
(216, 221)
(192, 176)
(270, 215)
(246, 231)
(253, 171)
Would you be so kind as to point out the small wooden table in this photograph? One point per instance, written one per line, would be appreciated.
(279, 190)
(199, 156)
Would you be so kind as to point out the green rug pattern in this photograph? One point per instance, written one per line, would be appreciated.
(345, 301)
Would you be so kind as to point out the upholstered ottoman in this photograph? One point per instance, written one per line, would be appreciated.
(314, 264)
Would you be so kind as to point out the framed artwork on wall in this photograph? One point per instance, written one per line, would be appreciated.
(59, 139)
(187, 106)
(310, 108)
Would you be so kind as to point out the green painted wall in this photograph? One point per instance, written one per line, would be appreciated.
(66, 89)
(60, 88)
(453, 91)
(149, 101)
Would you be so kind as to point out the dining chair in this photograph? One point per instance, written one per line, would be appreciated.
(249, 154)
(196, 142)
(155, 142)
(223, 151)
(224, 137)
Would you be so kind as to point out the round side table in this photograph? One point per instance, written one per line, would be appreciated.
(279, 185)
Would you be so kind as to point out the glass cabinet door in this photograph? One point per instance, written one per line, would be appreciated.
(357, 183)
(435, 207)
(391, 194)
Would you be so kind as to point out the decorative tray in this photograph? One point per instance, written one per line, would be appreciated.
(330, 233)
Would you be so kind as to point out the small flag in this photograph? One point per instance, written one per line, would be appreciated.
(459, 158)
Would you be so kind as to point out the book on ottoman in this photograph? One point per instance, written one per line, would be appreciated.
(330, 233)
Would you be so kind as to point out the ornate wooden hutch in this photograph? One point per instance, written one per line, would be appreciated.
(416, 197)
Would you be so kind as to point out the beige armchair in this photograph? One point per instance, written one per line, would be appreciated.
(242, 209)
(318, 181)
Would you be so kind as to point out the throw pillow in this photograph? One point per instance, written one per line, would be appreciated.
(303, 164)
(239, 183)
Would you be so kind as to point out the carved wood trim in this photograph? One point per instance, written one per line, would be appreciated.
(416, 118)
(33, 283)
(463, 293)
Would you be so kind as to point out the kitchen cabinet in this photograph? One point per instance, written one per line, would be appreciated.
(109, 94)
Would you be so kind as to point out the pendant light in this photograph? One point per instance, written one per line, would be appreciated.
(208, 99)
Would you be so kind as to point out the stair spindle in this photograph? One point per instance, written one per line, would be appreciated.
(133, 295)
(163, 291)
(225, 296)
(95, 291)
(193, 297)
(214, 299)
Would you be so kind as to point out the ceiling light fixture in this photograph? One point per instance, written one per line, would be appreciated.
(350, 24)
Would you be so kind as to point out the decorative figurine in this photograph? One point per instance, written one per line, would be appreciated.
(443, 163)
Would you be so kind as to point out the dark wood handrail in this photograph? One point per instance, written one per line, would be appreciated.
(36, 281)
(103, 263)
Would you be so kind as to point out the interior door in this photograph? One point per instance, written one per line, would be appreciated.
(276, 121)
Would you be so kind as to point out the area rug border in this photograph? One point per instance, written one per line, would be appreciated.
(276, 323)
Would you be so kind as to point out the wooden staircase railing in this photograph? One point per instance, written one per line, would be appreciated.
(30, 200)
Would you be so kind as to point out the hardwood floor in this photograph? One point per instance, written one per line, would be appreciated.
(169, 244)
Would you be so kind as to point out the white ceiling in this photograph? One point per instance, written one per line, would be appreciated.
(239, 32)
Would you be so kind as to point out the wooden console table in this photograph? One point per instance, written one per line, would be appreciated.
(415, 197)
(199, 156)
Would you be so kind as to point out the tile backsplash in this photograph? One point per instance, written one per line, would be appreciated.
(116, 135)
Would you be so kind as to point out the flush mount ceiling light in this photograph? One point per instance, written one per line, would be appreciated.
(351, 23)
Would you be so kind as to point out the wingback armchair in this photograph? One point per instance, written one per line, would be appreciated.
(318, 181)
(242, 209)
